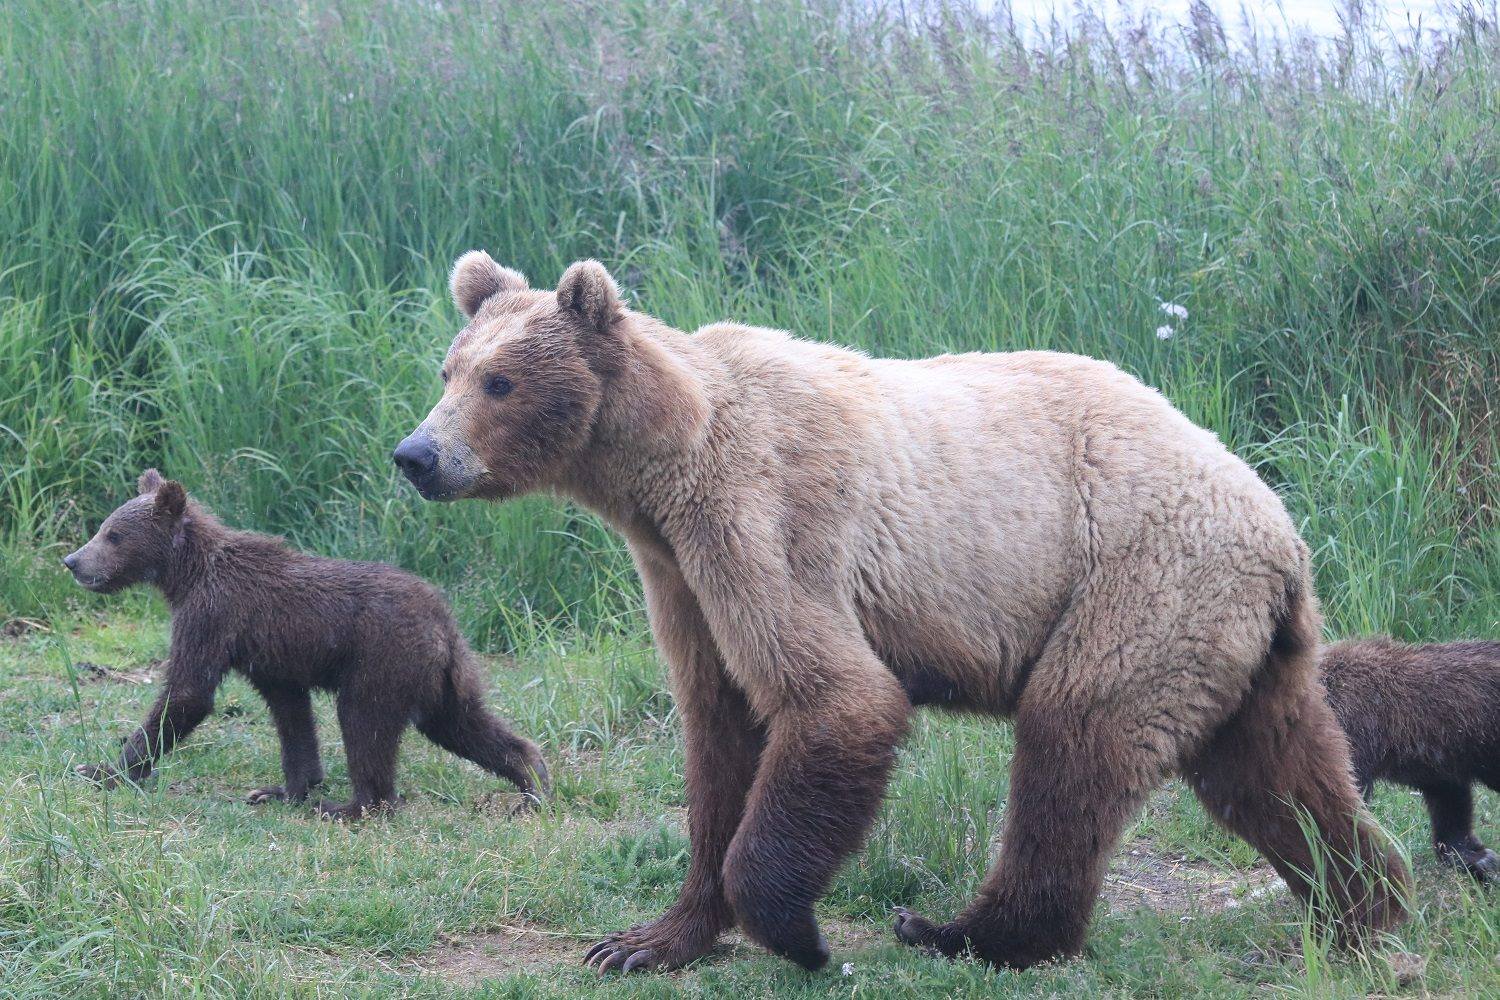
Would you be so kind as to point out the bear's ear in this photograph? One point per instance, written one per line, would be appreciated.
(476, 277)
(171, 499)
(587, 290)
(149, 482)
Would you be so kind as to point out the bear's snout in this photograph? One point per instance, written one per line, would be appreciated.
(417, 458)
(71, 562)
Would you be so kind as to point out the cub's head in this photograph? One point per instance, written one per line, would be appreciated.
(134, 544)
(522, 383)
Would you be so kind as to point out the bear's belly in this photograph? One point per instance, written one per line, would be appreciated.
(965, 663)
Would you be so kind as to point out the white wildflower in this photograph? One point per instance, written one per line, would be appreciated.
(1174, 310)
(848, 969)
(1164, 332)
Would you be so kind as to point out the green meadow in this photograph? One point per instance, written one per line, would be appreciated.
(224, 237)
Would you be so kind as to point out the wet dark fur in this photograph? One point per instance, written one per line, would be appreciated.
(289, 622)
(1428, 717)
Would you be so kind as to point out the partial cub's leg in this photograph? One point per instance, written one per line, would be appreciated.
(723, 744)
(1451, 806)
(1080, 772)
(372, 724)
(301, 765)
(193, 673)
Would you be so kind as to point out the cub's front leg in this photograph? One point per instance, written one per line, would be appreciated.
(187, 696)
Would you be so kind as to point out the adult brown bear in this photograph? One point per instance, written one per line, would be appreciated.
(827, 539)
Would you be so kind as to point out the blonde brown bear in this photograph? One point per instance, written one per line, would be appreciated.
(828, 539)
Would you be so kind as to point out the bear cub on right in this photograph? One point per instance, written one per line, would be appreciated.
(1429, 717)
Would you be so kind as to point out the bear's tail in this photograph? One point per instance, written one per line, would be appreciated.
(1278, 774)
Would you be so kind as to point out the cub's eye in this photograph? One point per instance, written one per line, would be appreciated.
(497, 385)
(112, 538)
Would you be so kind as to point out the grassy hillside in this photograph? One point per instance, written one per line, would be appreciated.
(224, 231)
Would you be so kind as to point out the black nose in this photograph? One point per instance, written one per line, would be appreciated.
(71, 561)
(416, 458)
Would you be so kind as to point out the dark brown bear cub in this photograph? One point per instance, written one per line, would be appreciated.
(1428, 717)
(289, 622)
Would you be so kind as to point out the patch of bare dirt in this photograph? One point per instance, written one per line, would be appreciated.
(16, 628)
(1141, 878)
(469, 959)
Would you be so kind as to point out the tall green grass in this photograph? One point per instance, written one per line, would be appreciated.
(224, 228)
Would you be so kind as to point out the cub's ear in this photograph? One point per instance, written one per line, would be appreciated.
(587, 290)
(149, 482)
(171, 499)
(476, 277)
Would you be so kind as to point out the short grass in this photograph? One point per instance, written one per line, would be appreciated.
(180, 889)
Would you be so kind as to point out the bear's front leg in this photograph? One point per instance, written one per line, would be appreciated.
(723, 743)
(820, 783)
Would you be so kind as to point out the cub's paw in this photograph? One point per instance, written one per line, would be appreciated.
(1484, 865)
(1471, 856)
(271, 793)
(100, 774)
(919, 932)
(660, 944)
(348, 812)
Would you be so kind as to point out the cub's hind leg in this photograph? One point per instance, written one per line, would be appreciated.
(464, 725)
(372, 723)
(1450, 804)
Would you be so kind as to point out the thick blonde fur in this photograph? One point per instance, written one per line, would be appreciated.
(827, 539)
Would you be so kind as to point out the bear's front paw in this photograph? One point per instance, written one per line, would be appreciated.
(661, 944)
(919, 932)
(271, 793)
(102, 775)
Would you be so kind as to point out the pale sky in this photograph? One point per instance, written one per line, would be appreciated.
(1270, 16)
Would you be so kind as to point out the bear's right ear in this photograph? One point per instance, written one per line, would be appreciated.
(588, 291)
(149, 482)
(171, 499)
(476, 277)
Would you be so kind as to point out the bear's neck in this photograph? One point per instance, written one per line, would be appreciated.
(191, 561)
(657, 408)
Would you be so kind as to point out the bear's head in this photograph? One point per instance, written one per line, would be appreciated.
(522, 383)
(135, 543)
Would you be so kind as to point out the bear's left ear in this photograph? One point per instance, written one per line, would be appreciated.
(171, 499)
(587, 290)
(149, 482)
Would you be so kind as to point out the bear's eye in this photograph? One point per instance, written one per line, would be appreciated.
(444, 374)
(497, 385)
(112, 538)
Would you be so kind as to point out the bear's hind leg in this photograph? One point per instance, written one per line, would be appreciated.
(1074, 786)
(1278, 771)
(1451, 806)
